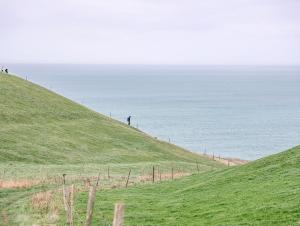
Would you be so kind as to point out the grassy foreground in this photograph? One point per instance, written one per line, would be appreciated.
(264, 192)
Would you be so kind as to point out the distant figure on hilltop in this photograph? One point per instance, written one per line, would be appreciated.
(6, 70)
(128, 120)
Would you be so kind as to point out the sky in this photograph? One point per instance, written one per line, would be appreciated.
(202, 32)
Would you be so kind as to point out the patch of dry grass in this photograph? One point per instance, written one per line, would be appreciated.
(24, 183)
(47, 204)
(4, 216)
(162, 176)
(42, 200)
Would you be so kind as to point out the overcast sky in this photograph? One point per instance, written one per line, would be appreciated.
(150, 31)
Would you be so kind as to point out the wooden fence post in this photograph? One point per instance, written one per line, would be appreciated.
(128, 178)
(90, 205)
(153, 174)
(172, 173)
(65, 196)
(198, 167)
(119, 214)
(98, 179)
(68, 194)
(72, 194)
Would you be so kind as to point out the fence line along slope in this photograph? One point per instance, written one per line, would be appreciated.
(263, 192)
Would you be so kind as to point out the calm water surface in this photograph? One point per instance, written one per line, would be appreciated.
(235, 111)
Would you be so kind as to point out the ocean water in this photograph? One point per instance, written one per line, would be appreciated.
(234, 111)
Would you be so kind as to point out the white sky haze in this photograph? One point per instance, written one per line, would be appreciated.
(150, 31)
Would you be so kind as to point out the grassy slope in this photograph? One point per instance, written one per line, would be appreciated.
(43, 134)
(264, 192)
(38, 126)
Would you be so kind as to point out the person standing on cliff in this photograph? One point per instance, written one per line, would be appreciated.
(128, 120)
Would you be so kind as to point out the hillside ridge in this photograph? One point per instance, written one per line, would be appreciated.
(262, 192)
(40, 126)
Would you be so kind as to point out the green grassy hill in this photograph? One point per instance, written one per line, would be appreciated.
(43, 135)
(264, 192)
(39, 126)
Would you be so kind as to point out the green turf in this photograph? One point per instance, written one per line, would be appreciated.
(43, 135)
(39, 126)
(264, 192)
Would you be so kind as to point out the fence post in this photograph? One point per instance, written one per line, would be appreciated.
(65, 193)
(68, 201)
(72, 194)
(90, 205)
(66, 198)
(172, 173)
(128, 178)
(119, 214)
(198, 167)
(153, 174)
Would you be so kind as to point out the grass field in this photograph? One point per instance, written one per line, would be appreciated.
(43, 135)
(264, 192)
(38, 126)
(40, 130)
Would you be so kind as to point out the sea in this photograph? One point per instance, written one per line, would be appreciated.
(245, 112)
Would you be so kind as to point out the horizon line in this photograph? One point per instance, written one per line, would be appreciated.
(146, 64)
